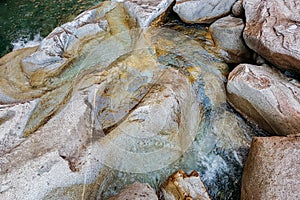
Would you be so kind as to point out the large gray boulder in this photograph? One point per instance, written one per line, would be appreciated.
(265, 96)
(273, 31)
(272, 169)
(202, 11)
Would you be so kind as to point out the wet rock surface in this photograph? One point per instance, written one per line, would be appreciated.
(273, 31)
(272, 169)
(63, 43)
(202, 11)
(228, 41)
(183, 186)
(265, 96)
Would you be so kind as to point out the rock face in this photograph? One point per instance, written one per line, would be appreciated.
(63, 44)
(147, 12)
(202, 11)
(272, 170)
(136, 191)
(227, 36)
(273, 31)
(182, 186)
(167, 113)
(263, 95)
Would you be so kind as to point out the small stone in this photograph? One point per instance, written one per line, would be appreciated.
(238, 9)
(260, 60)
(182, 186)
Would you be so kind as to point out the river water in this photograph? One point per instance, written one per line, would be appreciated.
(22, 21)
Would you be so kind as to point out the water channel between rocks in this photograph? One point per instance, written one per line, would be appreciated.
(128, 105)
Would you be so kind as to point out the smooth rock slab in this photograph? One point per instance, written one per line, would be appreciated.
(227, 34)
(202, 11)
(272, 169)
(64, 43)
(273, 31)
(263, 95)
(163, 124)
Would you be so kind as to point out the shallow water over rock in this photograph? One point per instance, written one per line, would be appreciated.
(122, 105)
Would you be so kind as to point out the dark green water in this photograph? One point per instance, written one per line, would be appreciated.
(23, 19)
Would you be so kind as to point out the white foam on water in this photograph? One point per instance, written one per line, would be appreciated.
(25, 41)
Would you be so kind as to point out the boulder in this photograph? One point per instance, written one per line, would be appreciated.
(202, 11)
(272, 170)
(265, 96)
(227, 36)
(136, 191)
(273, 31)
(163, 123)
(183, 186)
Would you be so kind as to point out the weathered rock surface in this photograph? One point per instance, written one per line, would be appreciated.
(147, 12)
(273, 31)
(227, 34)
(163, 123)
(202, 11)
(263, 95)
(182, 186)
(136, 191)
(62, 45)
(272, 169)
(12, 124)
